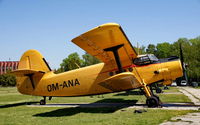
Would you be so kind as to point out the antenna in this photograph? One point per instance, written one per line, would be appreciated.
(138, 49)
(77, 65)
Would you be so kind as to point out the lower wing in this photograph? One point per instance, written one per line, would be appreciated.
(120, 82)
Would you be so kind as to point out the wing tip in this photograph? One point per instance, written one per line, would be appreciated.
(109, 24)
(100, 26)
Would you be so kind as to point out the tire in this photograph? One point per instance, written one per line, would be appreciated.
(42, 102)
(158, 90)
(152, 102)
(156, 97)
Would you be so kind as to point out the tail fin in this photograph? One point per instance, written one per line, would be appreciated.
(31, 68)
(33, 60)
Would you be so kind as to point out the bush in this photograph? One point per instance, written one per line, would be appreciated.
(7, 80)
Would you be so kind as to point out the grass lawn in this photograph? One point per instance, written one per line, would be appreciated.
(198, 87)
(171, 89)
(13, 110)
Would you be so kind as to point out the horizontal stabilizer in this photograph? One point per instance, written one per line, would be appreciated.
(25, 72)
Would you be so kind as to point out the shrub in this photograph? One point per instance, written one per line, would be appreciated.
(7, 80)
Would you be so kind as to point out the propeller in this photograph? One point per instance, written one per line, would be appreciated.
(184, 65)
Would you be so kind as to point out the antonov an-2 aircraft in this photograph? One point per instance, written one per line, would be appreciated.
(121, 69)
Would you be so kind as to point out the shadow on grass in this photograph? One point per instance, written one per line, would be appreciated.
(17, 104)
(101, 106)
(126, 93)
(74, 111)
(116, 100)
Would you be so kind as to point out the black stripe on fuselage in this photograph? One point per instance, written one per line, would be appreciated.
(173, 58)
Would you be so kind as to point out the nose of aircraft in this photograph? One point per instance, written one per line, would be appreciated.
(176, 69)
(171, 70)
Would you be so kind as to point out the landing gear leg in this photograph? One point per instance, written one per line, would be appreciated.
(154, 94)
(43, 101)
(152, 100)
(156, 87)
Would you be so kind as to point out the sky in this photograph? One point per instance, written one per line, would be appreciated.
(49, 25)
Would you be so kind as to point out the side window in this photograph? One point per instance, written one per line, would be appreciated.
(144, 60)
(136, 61)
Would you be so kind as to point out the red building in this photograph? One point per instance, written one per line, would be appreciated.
(8, 65)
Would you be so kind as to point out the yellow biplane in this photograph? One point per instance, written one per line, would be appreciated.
(121, 69)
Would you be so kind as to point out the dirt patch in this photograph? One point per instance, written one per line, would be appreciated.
(191, 118)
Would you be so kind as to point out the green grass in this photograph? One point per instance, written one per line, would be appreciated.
(23, 115)
(172, 89)
(14, 111)
(198, 87)
(174, 98)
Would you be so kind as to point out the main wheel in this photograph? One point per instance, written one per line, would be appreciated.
(152, 102)
(158, 90)
(157, 97)
(42, 102)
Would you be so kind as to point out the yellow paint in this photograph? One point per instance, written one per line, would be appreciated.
(95, 79)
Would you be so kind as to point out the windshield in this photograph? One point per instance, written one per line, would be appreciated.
(145, 59)
(153, 57)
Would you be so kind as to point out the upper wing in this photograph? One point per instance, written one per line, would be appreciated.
(106, 36)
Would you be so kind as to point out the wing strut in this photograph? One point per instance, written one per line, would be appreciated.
(116, 55)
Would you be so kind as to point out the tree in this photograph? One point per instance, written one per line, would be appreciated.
(163, 50)
(140, 50)
(151, 49)
(191, 54)
(193, 59)
(89, 60)
(73, 61)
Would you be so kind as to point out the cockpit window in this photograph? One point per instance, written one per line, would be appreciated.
(153, 58)
(145, 60)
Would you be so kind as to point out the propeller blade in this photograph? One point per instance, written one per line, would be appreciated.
(181, 57)
(183, 64)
